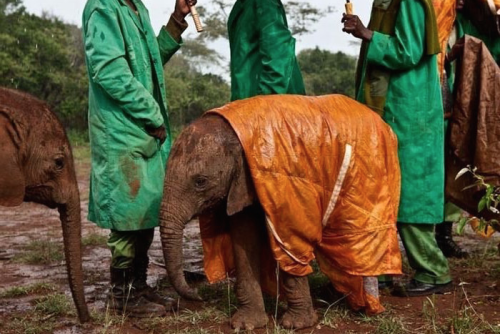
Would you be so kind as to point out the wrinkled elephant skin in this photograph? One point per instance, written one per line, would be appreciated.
(37, 165)
(207, 175)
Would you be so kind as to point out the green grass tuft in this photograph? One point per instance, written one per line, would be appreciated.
(57, 304)
(19, 291)
(40, 252)
(94, 239)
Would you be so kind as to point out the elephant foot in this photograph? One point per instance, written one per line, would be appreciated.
(247, 319)
(298, 318)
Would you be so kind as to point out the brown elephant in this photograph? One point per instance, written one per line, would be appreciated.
(37, 165)
(284, 178)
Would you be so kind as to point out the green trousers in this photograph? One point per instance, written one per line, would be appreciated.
(424, 255)
(125, 246)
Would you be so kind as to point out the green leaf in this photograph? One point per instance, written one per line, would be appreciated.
(461, 225)
(482, 204)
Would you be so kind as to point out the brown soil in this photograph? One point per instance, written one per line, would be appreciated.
(475, 303)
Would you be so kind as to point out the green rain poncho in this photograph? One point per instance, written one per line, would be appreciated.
(263, 57)
(127, 94)
(399, 79)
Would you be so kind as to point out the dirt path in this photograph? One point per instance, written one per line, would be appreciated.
(34, 295)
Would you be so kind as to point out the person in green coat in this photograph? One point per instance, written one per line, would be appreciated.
(263, 57)
(398, 78)
(463, 25)
(129, 138)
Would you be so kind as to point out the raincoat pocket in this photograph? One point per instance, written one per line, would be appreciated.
(147, 151)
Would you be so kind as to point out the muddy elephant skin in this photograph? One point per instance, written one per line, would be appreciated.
(36, 165)
(207, 175)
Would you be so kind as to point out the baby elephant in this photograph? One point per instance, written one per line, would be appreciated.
(280, 181)
(36, 165)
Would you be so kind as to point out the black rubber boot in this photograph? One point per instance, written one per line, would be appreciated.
(445, 241)
(140, 283)
(125, 298)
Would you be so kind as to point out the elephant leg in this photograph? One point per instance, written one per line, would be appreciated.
(300, 313)
(248, 234)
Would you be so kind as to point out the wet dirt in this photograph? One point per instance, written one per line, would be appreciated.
(477, 281)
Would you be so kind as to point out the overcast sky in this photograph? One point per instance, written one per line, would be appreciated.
(328, 34)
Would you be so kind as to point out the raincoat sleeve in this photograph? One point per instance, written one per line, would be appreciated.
(169, 39)
(405, 49)
(108, 66)
(277, 48)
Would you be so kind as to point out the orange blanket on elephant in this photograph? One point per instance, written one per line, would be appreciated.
(445, 16)
(326, 172)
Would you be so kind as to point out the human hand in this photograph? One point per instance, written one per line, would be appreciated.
(159, 133)
(183, 8)
(354, 26)
(456, 50)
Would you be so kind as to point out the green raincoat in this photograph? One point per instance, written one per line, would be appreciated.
(127, 94)
(412, 104)
(263, 57)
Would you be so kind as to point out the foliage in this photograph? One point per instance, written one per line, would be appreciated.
(325, 72)
(301, 17)
(43, 56)
(490, 200)
(191, 93)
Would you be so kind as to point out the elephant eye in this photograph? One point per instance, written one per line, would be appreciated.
(200, 182)
(59, 163)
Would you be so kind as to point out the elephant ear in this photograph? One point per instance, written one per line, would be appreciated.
(241, 192)
(12, 181)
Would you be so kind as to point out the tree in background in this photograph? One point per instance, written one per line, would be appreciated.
(190, 93)
(42, 56)
(325, 72)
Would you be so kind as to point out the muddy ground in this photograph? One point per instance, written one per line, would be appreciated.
(34, 295)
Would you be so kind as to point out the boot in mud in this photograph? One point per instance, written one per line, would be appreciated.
(446, 243)
(125, 299)
(140, 268)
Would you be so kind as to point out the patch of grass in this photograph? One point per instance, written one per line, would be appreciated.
(94, 239)
(468, 322)
(211, 314)
(333, 316)
(390, 325)
(41, 252)
(57, 304)
(81, 153)
(109, 320)
(221, 296)
(191, 331)
(78, 138)
(37, 288)
(31, 324)
(186, 317)
(279, 330)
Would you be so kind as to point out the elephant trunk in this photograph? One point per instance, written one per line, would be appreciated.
(171, 230)
(72, 234)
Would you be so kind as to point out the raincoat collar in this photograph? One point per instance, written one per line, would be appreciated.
(136, 18)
